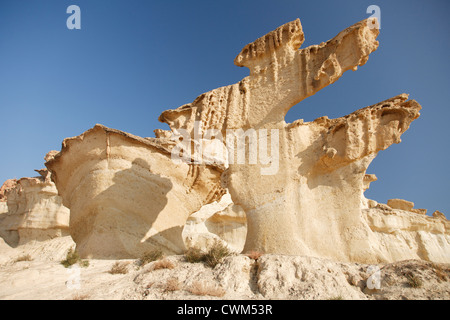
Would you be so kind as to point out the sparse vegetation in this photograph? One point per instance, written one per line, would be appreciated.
(200, 288)
(194, 255)
(119, 268)
(440, 273)
(212, 257)
(413, 280)
(163, 264)
(72, 257)
(25, 257)
(80, 297)
(151, 256)
(171, 285)
(216, 254)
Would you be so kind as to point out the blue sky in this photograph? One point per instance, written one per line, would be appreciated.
(133, 59)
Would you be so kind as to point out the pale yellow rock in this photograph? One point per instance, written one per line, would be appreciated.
(3, 207)
(399, 235)
(308, 199)
(440, 215)
(419, 211)
(35, 211)
(368, 179)
(400, 204)
(126, 196)
(220, 221)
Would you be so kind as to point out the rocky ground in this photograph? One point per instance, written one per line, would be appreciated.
(34, 271)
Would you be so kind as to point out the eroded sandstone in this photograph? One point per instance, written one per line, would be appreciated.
(34, 211)
(126, 196)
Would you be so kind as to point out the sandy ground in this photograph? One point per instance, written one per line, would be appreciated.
(42, 276)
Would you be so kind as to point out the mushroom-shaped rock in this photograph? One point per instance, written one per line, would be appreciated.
(301, 185)
(126, 195)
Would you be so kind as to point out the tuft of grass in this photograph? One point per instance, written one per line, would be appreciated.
(216, 254)
(171, 285)
(440, 273)
(151, 256)
(163, 264)
(194, 255)
(25, 257)
(212, 257)
(119, 268)
(73, 257)
(413, 280)
(200, 288)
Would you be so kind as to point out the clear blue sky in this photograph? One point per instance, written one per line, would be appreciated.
(133, 59)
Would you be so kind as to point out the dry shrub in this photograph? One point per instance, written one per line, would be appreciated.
(214, 256)
(413, 280)
(151, 256)
(171, 285)
(25, 257)
(194, 255)
(200, 288)
(440, 273)
(119, 268)
(163, 264)
(80, 297)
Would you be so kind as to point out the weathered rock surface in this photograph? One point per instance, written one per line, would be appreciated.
(126, 196)
(401, 235)
(306, 197)
(3, 207)
(8, 184)
(236, 277)
(223, 221)
(34, 211)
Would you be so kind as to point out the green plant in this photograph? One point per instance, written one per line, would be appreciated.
(72, 257)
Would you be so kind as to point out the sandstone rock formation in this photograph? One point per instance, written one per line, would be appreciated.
(311, 203)
(34, 211)
(401, 235)
(220, 221)
(301, 185)
(126, 196)
(8, 184)
(404, 205)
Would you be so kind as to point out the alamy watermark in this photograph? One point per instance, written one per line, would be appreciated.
(374, 21)
(74, 20)
(374, 280)
(253, 147)
(74, 279)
